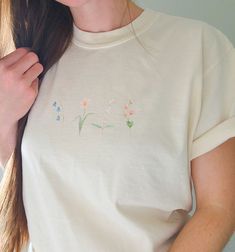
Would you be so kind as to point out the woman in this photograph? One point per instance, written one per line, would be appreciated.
(130, 100)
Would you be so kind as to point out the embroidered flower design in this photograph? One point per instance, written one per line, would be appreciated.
(128, 113)
(108, 110)
(104, 123)
(58, 109)
(84, 105)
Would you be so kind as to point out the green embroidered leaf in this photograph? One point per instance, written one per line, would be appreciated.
(130, 123)
(80, 123)
(96, 125)
(87, 115)
(108, 126)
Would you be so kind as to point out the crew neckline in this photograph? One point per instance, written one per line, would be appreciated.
(95, 40)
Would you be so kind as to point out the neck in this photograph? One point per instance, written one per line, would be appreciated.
(105, 15)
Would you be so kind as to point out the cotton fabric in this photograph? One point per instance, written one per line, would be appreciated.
(108, 144)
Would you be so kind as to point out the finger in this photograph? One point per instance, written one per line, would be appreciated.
(14, 56)
(33, 72)
(24, 63)
(34, 85)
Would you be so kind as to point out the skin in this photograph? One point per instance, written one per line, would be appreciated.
(19, 73)
(102, 15)
(213, 222)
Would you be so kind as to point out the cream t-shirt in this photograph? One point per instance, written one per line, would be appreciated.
(107, 147)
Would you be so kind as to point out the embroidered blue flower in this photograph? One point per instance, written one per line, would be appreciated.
(58, 110)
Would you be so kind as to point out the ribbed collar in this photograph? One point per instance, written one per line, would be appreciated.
(95, 40)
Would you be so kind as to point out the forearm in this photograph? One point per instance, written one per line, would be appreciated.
(208, 230)
(7, 143)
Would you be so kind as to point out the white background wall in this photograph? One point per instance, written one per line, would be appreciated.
(220, 14)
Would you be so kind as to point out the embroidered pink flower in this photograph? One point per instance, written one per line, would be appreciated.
(84, 103)
(82, 118)
(126, 106)
(128, 113)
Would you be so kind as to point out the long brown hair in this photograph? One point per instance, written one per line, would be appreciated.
(46, 27)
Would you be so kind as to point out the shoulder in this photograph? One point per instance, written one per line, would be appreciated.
(190, 27)
(188, 34)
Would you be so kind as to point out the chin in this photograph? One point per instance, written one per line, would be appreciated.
(72, 3)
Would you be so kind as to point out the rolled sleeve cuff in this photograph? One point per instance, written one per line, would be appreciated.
(213, 138)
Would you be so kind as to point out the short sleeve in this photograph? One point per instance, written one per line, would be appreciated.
(216, 122)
